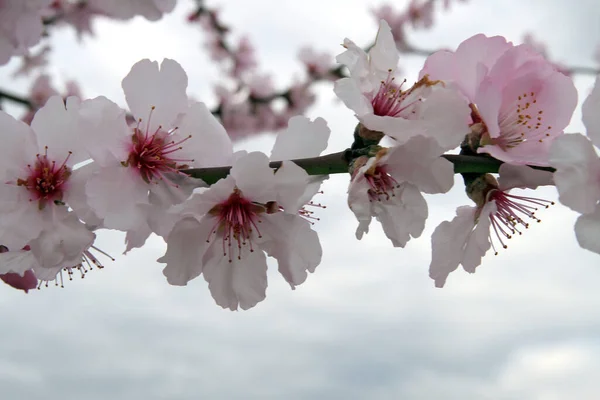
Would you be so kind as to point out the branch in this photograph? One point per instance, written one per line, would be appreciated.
(17, 99)
(337, 163)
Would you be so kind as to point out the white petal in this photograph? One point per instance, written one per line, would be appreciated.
(359, 202)
(17, 261)
(303, 138)
(403, 216)
(114, 194)
(254, 177)
(208, 144)
(104, 131)
(57, 128)
(478, 242)
(76, 197)
(591, 113)
(384, 54)
(349, 92)
(62, 246)
(290, 240)
(146, 86)
(291, 182)
(19, 145)
(577, 175)
(136, 237)
(587, 231)
(239, 282)
(418, 161)
(522, 176)
(186, 245)
(448, 242)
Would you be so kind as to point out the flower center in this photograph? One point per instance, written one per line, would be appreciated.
(512, 214)
(46, 180)
(153, 153)
(237, 219)
(522, 120)
(391, 101)
(381, 183)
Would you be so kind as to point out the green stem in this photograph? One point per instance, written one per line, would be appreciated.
(337, 163)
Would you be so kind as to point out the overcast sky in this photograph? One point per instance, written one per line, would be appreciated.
(368, 324)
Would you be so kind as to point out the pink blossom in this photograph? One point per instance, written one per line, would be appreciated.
(244, 58)
(381, 104)
(20, 26)
(496, 218)
(388, 187)
(225, 231)
(520, 102)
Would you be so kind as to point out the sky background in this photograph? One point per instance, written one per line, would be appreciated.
(368, 324)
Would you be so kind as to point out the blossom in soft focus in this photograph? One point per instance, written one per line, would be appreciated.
(520, 102)
(496, 218)
(80, 14)
(138, 171)
(32, 61)
(152, 10)
(317, 64)
(382, 104)
(21, 26)
(389, 185)
(577, 173)
(224, 232)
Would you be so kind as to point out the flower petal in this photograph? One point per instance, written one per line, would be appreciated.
(206, 141)
(302, 138)
(186, 245)
(146, 86)
(241, 282)
(577, 175)
(591, 113)
(290, 240)
(587, 231)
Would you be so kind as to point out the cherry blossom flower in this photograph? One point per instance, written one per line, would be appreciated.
(497, 217)
(225, 231)
(520, 102)
(20, 26)
(389, 185)
(138, 164)
(36, 164)
(381, 104)
(577, 173)
(48, 256)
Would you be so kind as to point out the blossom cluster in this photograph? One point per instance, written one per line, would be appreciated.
(79, 166)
